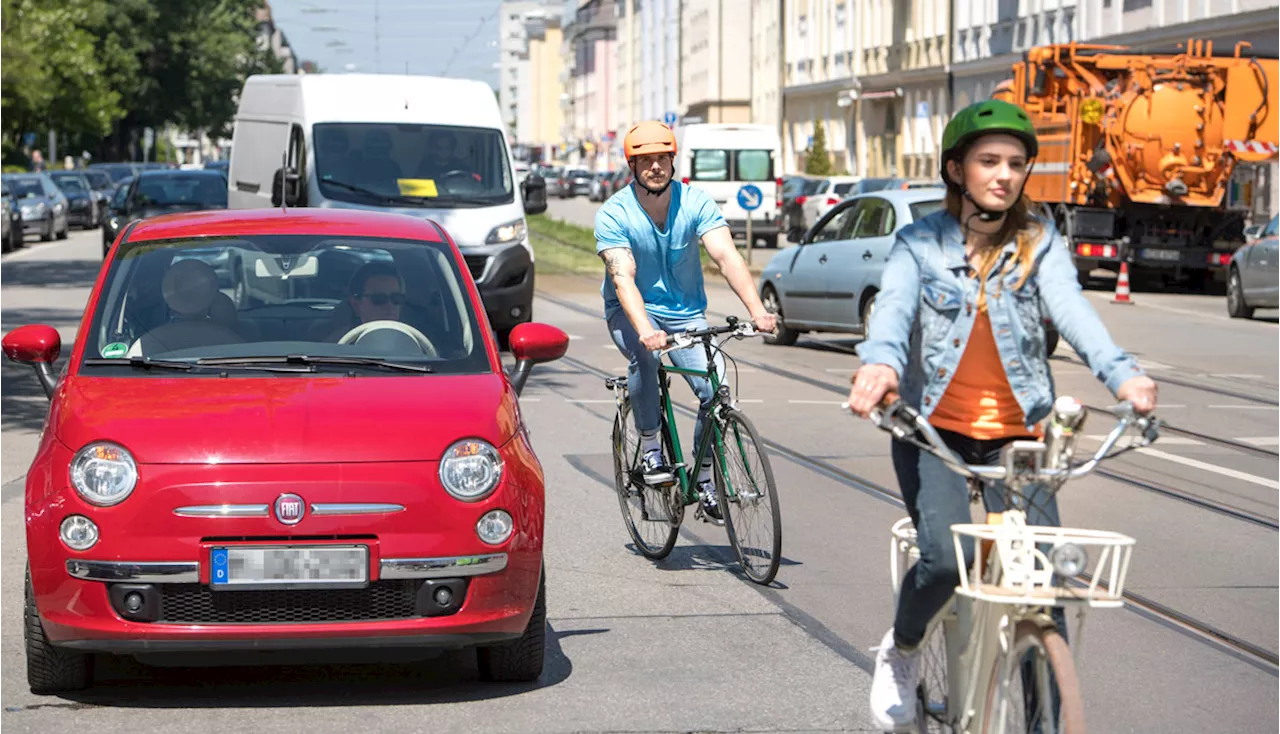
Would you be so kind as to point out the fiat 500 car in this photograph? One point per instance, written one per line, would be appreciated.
(316, 447)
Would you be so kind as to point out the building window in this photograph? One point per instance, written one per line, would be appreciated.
(840, 15)
(802, 26)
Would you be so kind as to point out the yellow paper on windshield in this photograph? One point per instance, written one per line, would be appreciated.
(417, 187)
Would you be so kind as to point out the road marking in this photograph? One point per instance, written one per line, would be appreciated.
(1164, 440)
(530, 400)
(1245, 407)
(841, 370)
(1239, 375)
(1261, 440)
(749, 400)
(1269, 483)
(816, 402)
(1147, 365)
(589, 400)
(575, 336)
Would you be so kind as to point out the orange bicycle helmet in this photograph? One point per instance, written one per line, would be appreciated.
(648, 137)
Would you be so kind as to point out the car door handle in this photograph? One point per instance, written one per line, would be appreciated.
(822, 259)
(866, 255)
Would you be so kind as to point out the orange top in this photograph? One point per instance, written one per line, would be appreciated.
(979, 402)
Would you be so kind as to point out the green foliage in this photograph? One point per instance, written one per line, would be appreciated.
(818, 163)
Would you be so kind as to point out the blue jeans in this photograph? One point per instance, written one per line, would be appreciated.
(642, 372)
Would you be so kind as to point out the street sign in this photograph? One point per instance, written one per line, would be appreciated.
(750, 198)
(669, 119)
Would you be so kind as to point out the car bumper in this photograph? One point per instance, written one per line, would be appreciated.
(505, 279)
(34, 223)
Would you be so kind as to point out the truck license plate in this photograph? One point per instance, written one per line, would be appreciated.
(327, 566)
(1154, 254)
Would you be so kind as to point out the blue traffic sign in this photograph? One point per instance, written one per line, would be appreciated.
(750, 198)
(669, 119)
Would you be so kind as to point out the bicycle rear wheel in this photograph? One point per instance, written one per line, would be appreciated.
(646, 511)
(1042, 659)
(749, 500)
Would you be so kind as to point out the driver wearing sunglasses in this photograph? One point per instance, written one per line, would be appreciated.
(376, 294)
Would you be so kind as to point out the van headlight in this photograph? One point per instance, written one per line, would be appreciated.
(104, 474)
(510, 232)
(470, 469)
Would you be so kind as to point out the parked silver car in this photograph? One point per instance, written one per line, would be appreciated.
(44, 207)
(1252, 278)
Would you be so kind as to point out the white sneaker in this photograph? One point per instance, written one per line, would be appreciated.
(893, 689)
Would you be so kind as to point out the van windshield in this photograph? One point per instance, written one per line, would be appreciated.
(431, 166)
(732, 165)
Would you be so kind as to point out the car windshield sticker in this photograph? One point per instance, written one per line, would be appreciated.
(115, 349)
(417, 187)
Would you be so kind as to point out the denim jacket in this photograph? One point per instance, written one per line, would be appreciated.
(927, 304)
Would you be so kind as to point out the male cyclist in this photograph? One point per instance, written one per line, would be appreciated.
(648, 234)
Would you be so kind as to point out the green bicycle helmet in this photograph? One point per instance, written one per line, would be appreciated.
(985, 118)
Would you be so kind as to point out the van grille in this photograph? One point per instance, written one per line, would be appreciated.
(476, 263)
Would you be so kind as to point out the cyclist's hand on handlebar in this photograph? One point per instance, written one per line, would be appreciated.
(654, 341)
(1141, 392)
(764, 321)
(870, 384)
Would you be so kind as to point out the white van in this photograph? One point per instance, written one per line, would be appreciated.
(723, 157)
(417, 145)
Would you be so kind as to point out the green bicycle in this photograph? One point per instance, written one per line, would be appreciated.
(742, 474)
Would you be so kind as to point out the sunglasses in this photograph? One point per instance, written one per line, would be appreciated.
(382, 299)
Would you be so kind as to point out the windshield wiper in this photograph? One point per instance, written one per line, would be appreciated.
(147, 363)
(307, 359)
(371, 192)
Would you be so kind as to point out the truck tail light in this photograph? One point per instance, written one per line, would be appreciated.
(1220, 259)
(1088, 250)
(800, 200)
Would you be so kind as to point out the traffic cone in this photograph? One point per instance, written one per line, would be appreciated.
(1122, 285)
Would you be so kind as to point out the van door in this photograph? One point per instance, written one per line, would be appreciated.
(258, 148)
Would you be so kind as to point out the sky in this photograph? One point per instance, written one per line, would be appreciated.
(455, 38)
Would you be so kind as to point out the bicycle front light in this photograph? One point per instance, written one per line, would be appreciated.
(1069, 560)
(470, 469)
(104, 474)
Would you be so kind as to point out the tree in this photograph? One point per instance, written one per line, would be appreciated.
(817, 163)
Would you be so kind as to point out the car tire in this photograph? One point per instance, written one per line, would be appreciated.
(781, 336)
(66, 229)
(47, 235)
(1236, 306)
(520, 660)
(865, 314)
(51, 669)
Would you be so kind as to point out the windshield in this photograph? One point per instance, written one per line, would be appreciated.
(205, 191)
(70, 184)
(922, 209)
(98, 179)
(272, 296)
(432, 166)
(26, 188)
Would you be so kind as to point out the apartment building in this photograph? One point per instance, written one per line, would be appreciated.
(648, 62)
(540, 116)
(766, 62)
(989, 38)
(591, 84)
(819, 81)
(715, 78)
(513, 69)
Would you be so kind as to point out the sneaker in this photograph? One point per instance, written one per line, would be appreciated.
(710, 506)
(656, 471)
(893, 689)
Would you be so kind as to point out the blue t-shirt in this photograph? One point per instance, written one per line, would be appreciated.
(668, 266)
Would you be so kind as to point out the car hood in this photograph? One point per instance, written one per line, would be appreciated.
(276, 420)
(468, 226)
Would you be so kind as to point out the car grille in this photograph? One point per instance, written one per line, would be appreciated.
(197, 604)
(476, 263)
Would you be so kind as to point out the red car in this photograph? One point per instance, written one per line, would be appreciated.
(283, 429)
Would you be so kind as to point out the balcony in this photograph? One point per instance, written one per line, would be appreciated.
(1016, 35)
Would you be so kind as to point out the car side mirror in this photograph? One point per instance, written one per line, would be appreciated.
(39, 346)
(285, 187)
(532, 344)
(534, 192)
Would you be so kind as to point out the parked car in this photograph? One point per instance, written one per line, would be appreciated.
(310, 506)
(115, 220)
(796, 190)
(575, 182)
(223, 166)
(103, 187)
(830, 191)
(829, 283)
(622, 178)
(43, 205)
(599, 190)
(11, 238)
(722, 158)
(156, 192)
(82, 200)
(1252, 278)
(552, 175)
(117, 171)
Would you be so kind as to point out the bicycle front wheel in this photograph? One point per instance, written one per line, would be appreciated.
(749, 499)
(1021, 698)
(931, 691)
(646, 511)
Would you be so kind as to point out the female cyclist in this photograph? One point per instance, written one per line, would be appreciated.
(959, 324)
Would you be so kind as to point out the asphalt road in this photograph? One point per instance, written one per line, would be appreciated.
(687, 644)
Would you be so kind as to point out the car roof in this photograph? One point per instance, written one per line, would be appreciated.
(239, 222)
(179, 172)
(906, 196)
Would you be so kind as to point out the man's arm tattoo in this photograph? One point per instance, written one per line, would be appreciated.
(618, 261)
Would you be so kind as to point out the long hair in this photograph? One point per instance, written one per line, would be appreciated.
(1018, 225)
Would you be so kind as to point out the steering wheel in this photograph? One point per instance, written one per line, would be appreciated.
(467, 176)
(354, 335)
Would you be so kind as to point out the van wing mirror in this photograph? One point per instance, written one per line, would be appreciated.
(285, 188)
(533, 189)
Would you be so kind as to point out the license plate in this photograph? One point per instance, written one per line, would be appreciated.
(327, 566)
(1153, 254)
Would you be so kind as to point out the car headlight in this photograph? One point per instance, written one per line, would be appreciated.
(104, 474)
(509, 232)
(470, 469)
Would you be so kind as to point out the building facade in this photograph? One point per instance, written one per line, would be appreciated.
(715, 83)
(766, 78)
(648, 62)
(513, 67)
(591, 84)
(819, 81)
(540, 118)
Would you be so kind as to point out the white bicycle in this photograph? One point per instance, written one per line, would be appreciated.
(993, 656)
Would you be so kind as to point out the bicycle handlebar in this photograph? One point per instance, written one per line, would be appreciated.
(687, 338)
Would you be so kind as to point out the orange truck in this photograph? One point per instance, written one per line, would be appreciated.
(1137, 150)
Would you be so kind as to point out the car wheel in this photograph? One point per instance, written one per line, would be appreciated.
(51, 669)
(66, 229)
(781, 336)
(519, 660)
(868, 307)
(47, 235)
(1236, 306)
